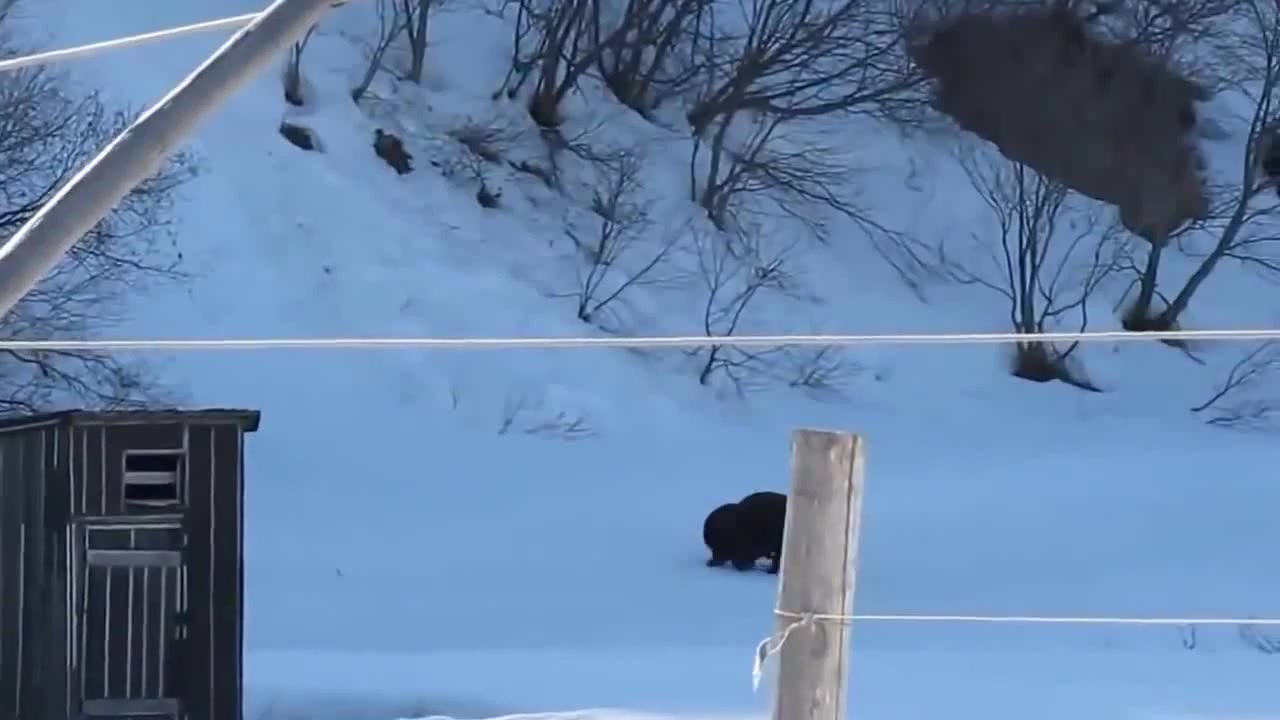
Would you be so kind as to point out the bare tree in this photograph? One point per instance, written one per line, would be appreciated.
(558, 42)
(417, 14)
(562, 51)
(1166, 27)
(650, 59)
(293, 70)
(1244, 219)
(46, 135)
(736, 283)
(802, 59)
(776, 172)
(391, 24)
(622, 225)
(1239, 401)
(1046, 261)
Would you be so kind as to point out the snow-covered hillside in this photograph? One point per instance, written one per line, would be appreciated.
(476, 534)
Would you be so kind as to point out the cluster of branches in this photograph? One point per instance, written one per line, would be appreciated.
(398, 21)
(1046, 258)
(753, 76)
(616, 254)
(1237, 42)
(1247, 398)
(46, 134)
(1047, 261)
(734, 282)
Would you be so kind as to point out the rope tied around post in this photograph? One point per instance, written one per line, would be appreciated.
(772, 645)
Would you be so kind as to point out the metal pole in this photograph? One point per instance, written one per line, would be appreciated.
(140, 150)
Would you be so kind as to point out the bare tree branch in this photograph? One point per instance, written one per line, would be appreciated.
(1046, 261)
(46, 135)
(1240, 401)
(1244, 219)
(416, 14)
(293, 70)
(391, 23)
(733, 281)
(622, 225)
(651, 59)
(800, 58)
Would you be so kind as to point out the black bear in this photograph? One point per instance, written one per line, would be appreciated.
(720, 533)
(742, 532)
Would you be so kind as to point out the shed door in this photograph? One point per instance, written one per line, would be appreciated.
(131, 629)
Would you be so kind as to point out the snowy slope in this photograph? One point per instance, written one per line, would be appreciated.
(408, 558)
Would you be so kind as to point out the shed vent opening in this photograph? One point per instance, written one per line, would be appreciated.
(152, 478)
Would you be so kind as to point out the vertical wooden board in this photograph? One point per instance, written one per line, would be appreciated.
(55, 476)
(168, 658)
(118, 655)
(96, 633)
(200, 645)
(11, 504)
(227, 589)
(146, 640)
(57, 650)
(30, 460)
(93, 476)
(78, 439)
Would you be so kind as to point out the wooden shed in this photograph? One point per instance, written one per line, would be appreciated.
(121, 565)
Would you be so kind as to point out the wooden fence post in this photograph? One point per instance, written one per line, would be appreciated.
(819, 559)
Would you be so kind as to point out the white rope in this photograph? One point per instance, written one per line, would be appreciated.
(52, 56)
(693, 341)
(773, 644)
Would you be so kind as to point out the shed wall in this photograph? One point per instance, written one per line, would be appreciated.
(57, 480)
(97, 474)
(217, 571)
(25, 549)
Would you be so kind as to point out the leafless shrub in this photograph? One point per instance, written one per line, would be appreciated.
(1244, 219)
(46, 135)
(487, 141)
(622, 224)
(391, 24)
(483, 144)
(801, 60)
(416, 14)
(464, 165)
(823, 374)
(558, 42)
(648, 62)
(775, 174)
(1255, 637)
(293, 70)
(544, 173)
(560, 53)
(526, 413)
(1046, 260)
(733, 281)
(1165, 27)
(1238, 401)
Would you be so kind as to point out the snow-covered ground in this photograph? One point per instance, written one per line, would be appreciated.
(408, 557)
